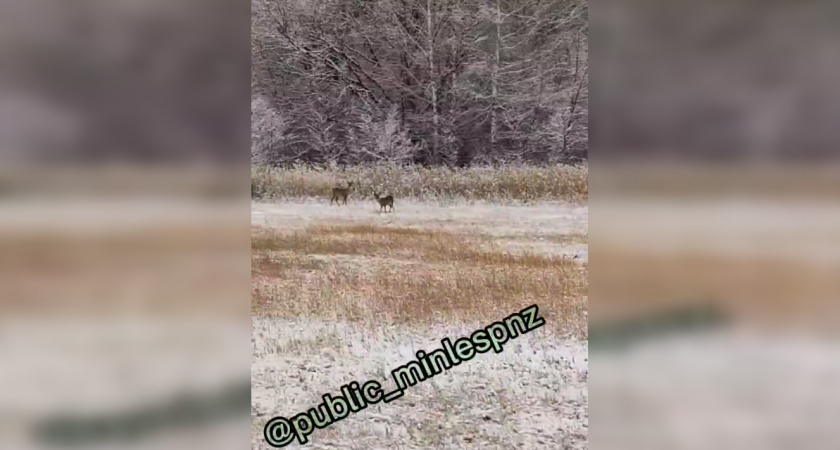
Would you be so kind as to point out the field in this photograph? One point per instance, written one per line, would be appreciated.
(767, 381)
(760, 243)
(344, 293)
(511, 183)
(113, 306)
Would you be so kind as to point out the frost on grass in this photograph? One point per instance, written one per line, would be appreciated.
(347, 294)
(532, 395)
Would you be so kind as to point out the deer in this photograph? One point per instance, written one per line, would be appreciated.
(341, 193)
(384, 202)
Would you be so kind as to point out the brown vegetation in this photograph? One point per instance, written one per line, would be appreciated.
(628, 283)
(373, 273)
(505, 183)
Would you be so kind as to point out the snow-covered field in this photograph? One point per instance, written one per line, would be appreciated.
(531, 395)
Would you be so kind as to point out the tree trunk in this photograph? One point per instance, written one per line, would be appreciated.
(494, 80)
(432, 82)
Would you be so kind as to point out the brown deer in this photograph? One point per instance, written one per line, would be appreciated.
(341, 193)
(384, 202)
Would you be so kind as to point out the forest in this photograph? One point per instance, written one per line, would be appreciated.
(454, 83)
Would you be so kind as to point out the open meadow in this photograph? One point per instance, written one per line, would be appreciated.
(348, 293)
(758, 243)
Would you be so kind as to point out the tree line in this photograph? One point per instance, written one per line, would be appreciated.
(433, 82)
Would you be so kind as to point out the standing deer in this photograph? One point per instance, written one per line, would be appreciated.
(384, 202)
(341, 193)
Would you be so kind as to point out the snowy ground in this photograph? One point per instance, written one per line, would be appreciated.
(532, 395)
(768, 385)
(541, 227)
(730, 390)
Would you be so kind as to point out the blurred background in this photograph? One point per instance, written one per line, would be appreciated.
(715, 205)
(124, 233)
(125, 288)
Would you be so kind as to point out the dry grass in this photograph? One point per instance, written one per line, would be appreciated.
(123, 181)
(510, 183)
(687, 181)
(370, 273)
(400, 243)
(751, 288)
(557, 238)
(164, 269)
(346, 293)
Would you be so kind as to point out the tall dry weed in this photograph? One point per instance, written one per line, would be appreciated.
(504, 183)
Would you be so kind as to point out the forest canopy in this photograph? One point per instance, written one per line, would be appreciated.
(434, 82)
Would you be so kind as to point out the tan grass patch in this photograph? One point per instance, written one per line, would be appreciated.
(573, 238)
(506, 183)
(453, 280)
(686, 181)
(568, 239)
(629, 282)
(281, 265)
(429, 294)
(157, 271)
(398, 242)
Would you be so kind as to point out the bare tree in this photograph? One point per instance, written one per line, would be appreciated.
(268, 133)
(429, 81)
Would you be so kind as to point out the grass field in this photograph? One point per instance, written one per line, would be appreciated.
(344, 293)
(113, 290)
(767, 260)
(371, 273)
(511, 183)
(773, 261)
